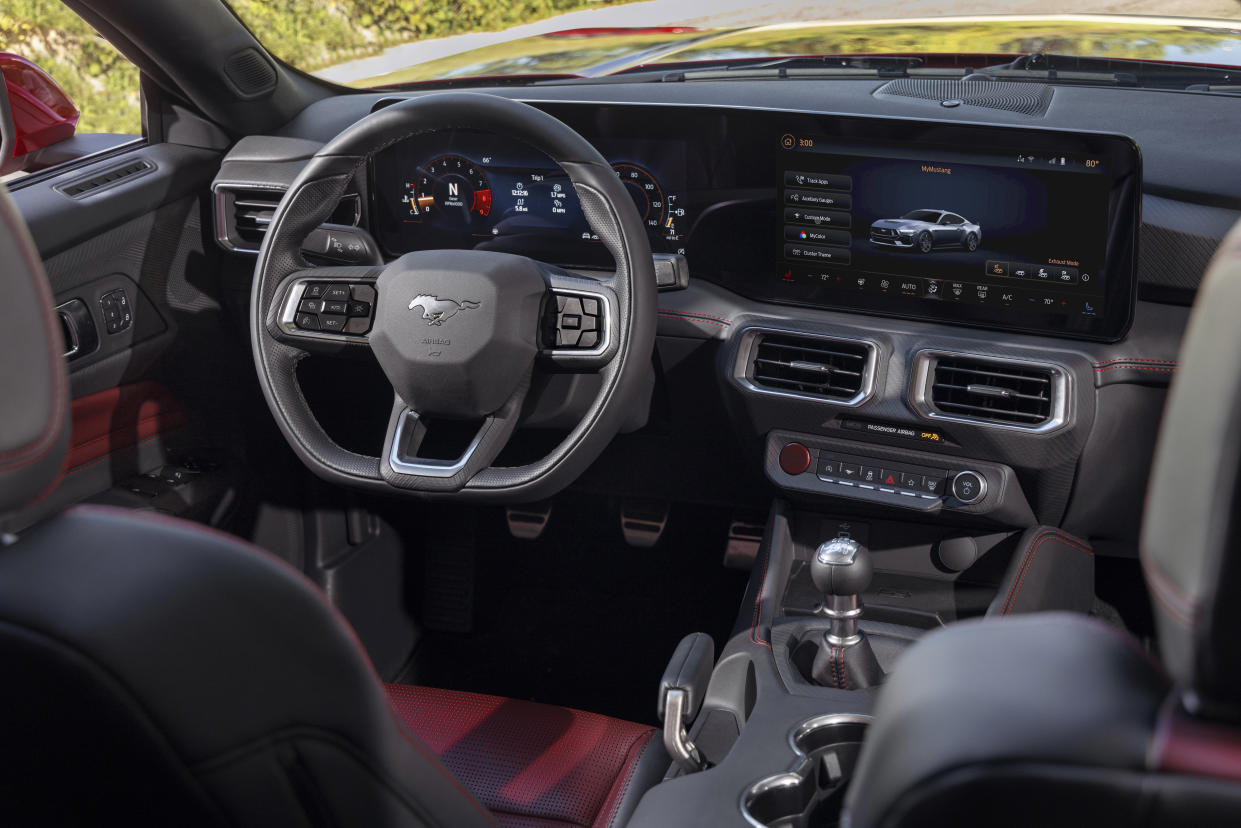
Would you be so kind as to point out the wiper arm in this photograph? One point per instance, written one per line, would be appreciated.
(835, 66)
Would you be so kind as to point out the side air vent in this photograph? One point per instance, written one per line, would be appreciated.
(1002, 392)
(840, 371)
(1026, 98)
(250, 72)
(244, 213)
(83, 187)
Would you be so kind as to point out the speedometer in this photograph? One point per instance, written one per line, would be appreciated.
(449, 190)
(646, 194)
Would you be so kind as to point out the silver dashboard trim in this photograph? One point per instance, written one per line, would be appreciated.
(749, 340)
(922, 376)
(223, 222)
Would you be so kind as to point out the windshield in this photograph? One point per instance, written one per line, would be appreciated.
(395, 43)
(922, 215)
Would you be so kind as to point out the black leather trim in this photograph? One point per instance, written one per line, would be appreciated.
(1043, 688)
(34, 396)
(1050, 570)
(1191, 529)
(224, 658)
(689, 669)
(645, 774)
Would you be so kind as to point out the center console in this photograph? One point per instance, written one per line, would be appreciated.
(770, 736)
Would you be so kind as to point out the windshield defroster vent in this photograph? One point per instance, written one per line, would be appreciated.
(1002, 392)
(822, 368)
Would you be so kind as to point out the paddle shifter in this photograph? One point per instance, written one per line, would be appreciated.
(841, 570)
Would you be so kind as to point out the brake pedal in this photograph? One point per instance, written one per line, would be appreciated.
(744, 539)
(643, 522)
(528, 522)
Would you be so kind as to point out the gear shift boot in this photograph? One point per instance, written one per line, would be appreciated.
(851, 667)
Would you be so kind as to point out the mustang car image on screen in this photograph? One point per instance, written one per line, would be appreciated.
(926, 230)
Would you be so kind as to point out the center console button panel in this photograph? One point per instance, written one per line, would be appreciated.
(895, 476)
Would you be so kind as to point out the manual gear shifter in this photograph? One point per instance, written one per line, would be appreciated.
(841, 570)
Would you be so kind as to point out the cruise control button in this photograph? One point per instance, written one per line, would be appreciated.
(306, 321)
(332, 323)
(337, 293)
(311, 306)
(358, 309)
(335, 307)
(313, 291)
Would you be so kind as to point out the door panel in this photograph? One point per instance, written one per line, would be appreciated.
(137, 263)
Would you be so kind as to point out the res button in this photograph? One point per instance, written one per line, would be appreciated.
(794, 458)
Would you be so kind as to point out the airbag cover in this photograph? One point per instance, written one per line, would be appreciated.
(456, 331)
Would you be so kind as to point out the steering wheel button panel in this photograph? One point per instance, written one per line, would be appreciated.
(577, 323)
(330, 310)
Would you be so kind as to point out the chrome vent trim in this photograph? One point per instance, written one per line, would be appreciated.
(243, 212)
(826, 369)
(999, 392)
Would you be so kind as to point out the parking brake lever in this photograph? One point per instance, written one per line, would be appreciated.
(681, 691)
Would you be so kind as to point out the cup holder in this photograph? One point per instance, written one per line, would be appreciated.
(812, 793)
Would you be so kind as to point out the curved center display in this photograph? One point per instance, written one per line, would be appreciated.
(1001, 227)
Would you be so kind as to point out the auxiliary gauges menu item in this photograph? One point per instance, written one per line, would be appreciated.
(816, 217)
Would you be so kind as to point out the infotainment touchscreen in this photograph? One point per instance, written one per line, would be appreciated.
(971, 232)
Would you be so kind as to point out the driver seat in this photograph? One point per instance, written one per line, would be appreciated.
(1059, 719)
(159, 672)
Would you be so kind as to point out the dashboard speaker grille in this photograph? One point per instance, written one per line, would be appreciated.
(997, 392)
(831, 369)
(1026, 98)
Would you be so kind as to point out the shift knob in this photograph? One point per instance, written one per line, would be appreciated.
(841, 566)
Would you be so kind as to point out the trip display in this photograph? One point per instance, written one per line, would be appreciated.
(1000, 230)
(992, 226)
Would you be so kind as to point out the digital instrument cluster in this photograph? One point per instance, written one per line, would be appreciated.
(471, 190)
(1000, 227)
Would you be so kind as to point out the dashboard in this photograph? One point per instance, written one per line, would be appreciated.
(998, 227)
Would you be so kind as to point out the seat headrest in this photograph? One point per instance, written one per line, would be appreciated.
(34, 383)
(1191, 531)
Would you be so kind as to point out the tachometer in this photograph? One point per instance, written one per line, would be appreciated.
(449, 190)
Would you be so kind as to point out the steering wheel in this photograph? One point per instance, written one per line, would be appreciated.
(460, 334)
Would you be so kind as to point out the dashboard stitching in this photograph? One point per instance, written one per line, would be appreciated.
(1137, 368)
(693, 314)
(688, 318)
(1039, 540)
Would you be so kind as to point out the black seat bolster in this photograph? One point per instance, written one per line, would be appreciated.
(979, 698)
(196, 652)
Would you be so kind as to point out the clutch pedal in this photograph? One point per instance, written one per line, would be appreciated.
(643, 522)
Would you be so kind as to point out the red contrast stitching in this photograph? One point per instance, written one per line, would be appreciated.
(1039, 540)
(1137, 368)
(697, 317)
(1136, 359)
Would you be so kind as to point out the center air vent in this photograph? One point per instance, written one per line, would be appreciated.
(1001, 392)
(244, 213)
(822, 368)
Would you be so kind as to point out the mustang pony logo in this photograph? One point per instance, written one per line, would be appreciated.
(436, 310)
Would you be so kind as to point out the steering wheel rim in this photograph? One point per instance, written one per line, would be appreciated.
(623, 366)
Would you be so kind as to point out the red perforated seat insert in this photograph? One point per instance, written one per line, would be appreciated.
(530, 764)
